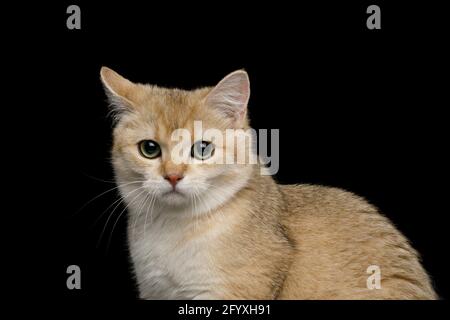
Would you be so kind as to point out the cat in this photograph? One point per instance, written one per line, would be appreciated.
(226, 231)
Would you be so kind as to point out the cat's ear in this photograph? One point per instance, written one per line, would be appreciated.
(119, 90)
(230, 96)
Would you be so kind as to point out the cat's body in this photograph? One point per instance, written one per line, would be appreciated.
(232, 233)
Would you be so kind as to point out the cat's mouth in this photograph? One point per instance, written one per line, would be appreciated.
(173, 192)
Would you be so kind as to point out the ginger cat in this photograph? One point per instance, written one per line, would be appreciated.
(225, 231)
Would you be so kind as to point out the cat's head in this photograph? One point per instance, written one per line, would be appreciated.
(184, 172)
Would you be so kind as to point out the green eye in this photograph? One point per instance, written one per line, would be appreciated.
(149, 149)
(202, 150)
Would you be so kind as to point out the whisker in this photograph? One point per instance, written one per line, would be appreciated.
(191, 200)
(101, 194)
(120, 215)
(110, 215)
(140, 210)
(98, 179)
(152, 204)
(118, 202)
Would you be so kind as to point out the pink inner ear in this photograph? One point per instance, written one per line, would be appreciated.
(245, 90)
(230, 96)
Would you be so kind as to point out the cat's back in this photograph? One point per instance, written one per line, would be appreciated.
(338, 236)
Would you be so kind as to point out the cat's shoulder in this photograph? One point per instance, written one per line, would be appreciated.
(318, 198)
(329, 211)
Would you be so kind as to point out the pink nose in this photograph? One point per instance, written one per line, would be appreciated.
(173, 179)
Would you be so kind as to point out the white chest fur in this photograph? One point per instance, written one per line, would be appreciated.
(170, 262)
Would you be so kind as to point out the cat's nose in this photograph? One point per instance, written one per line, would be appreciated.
(173, 179)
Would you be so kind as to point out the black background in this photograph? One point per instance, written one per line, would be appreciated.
(359, 109)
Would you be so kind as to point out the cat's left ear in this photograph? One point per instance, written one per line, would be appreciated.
(121, 92)
(230, 96)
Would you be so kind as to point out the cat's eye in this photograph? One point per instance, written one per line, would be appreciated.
(202, 150)
(149, 149)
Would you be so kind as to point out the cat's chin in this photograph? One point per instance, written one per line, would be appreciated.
(175, 198)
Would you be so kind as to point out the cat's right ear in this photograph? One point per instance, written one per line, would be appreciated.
(118, 89)
(230, 96)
